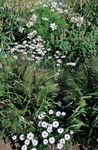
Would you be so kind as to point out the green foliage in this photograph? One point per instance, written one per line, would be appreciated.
(25, 90)
(80, 88)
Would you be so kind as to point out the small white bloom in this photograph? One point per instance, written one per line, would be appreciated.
(22, 137)
(33, 149)
(59, 61)
(60, 146)
(53, 26)
(32, 34)
(71, 64)
(51, 140)
(30, 136)
(29, 24)
(45, 141)
(60, 130)
(50, 126)
(24, 147)
(58, 65)
(58, 113)
(21, 29)
(44, 134)
(34, 142)
(63, 114)
(67, 137)
(14, 137)
(63, 56)
(15, 57)
(27, 142)
(39, 123)
(45, 18)
(43, 114)
(71, 132)
(34, 17)
(44, 124)
(55, 124)
(49, 130)
(50, 112)
(62, 141)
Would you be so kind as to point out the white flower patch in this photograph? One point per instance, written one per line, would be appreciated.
(31, 49)
(51, 131)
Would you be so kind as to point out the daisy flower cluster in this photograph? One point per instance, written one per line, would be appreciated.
(31, 49)
(77, 20)
(28, 141)
(52, 129)
(57, 6)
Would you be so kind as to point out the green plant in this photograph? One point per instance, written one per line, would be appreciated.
(25, 90)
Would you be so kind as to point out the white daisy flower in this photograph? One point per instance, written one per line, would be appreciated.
(24, 147)
(43, 114)
(63, 114)
(58, 113)
(51, 112)
(62, 141)
(27, 142)
(30, 136)
(33, 149)
(67, 137)
(39, 123)
(34, 142)
(53, 26)
(50, 126)
(44, 124)
(22, 137)
(51, 140)
(14, 137)
(49, 130)
(45, 134)
(45, 141)
(59, 146)
(60, 130)
(55, 124)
